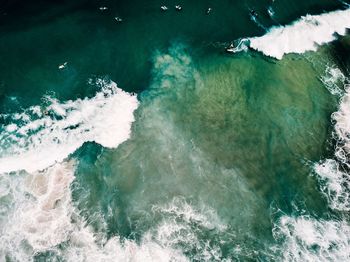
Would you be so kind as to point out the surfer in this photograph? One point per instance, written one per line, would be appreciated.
(253, 13)
(178, 7)
(231, 48)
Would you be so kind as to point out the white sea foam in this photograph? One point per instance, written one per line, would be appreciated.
(41, 136)
(342, 127)
(204, 215)
(182, 226)
(38, 217)
(41, 216)
(306, 34)
(334, 180)
(176, 233)
(334, 80)
(335, 184)
(308, 239)
(84, 248)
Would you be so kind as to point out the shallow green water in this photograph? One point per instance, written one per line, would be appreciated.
(222, 145)
(209, 134)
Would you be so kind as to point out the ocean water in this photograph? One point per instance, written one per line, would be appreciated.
(144, 140)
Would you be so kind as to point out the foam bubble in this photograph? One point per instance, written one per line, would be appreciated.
(303, 35)
(41, 136)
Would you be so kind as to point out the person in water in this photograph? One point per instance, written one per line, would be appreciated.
(253, 13)
(178, 7)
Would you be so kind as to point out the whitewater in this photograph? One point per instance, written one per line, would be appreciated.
(305, 34)
(43, 135)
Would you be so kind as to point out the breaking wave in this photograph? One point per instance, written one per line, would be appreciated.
(306, 34)
(43, 135)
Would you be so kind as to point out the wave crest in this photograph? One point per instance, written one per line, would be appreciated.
(41, 136)
(306, 34)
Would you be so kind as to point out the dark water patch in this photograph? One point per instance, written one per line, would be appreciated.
(340, 50)
(286, 11)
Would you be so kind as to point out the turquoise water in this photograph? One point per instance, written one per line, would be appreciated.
(201, 155)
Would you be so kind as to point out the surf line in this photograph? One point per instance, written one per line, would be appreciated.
(305, 34)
